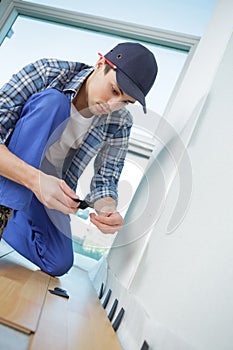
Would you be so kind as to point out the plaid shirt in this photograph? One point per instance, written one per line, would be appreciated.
(107, 138)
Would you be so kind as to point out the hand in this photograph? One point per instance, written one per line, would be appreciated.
(54, 193)
(107, 222)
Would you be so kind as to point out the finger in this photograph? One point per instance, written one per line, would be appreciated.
(63, 201)
(67, 190)
(73, 204)
(105, 228)
(112, 219)
(60, 206)
(69, 195)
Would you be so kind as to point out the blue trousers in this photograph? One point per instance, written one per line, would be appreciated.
(41, 235)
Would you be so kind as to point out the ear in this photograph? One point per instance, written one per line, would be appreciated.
(100, 63)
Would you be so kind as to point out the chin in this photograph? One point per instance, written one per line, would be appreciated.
(93, 110)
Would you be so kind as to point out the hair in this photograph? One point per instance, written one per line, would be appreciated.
(107, 68)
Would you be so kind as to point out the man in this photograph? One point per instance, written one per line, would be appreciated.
(55, 116)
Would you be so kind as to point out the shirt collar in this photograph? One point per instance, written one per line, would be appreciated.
(75, 84)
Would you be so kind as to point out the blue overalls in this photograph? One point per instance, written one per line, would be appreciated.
(41, 235)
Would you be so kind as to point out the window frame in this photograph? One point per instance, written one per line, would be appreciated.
(9, 11)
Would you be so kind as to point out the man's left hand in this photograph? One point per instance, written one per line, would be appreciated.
(107, 222)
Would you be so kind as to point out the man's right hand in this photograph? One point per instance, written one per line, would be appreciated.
(54, 193)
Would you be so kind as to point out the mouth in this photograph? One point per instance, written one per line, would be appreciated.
(101, 109)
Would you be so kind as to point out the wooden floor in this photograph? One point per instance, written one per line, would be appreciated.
(31, 318)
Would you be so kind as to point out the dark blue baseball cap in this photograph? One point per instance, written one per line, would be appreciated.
(136, 69)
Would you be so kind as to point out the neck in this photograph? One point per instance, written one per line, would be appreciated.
(80, 102)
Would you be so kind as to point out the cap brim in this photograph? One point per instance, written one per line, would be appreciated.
(129, 88)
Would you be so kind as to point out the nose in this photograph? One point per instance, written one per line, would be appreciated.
(115, 103)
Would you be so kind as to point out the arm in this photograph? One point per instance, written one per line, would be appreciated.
(14, 94)
(34, 77)
(51, 191)
(29, 80)
(108, 166)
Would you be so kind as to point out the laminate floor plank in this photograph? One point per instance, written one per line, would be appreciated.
(22, 293)
(79, 322)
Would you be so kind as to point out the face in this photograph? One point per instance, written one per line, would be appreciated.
(103, 94)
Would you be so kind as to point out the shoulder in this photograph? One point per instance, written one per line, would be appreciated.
(57, 64)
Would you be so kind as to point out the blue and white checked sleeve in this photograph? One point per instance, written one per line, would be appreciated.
(15, 93)
(108, 165)
(31, 79)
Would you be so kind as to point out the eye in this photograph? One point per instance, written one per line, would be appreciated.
(128, 102)
(115, 91)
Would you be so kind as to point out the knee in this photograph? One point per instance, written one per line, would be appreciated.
(61, 270)
(57, 101)
(59, 267)
(49, 102)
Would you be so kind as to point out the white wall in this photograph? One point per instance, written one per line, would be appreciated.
(180, 117)
(185, 279)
